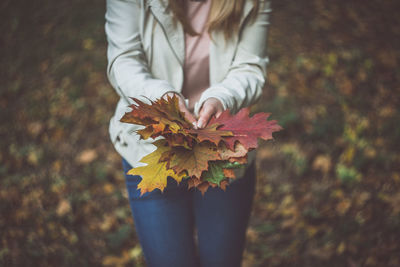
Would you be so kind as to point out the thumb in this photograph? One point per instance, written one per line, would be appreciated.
(205, 114)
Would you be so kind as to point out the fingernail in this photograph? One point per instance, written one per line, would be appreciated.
(200, 124)
(194, 125)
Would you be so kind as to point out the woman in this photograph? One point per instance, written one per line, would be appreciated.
(212, 53)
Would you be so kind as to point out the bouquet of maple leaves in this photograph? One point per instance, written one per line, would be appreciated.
(206, 156)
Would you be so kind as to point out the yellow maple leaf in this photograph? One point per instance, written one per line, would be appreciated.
(154, 174)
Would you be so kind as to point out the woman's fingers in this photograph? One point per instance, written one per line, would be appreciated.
(205, 115)
(211, 106)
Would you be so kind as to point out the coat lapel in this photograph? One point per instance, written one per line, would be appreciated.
(175, 36)
(221, 52)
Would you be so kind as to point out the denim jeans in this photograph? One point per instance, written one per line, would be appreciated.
(183, 228)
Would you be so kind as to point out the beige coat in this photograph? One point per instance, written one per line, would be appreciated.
(145, 58)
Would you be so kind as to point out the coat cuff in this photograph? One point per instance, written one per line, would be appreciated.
(157, 88)
(153, 90)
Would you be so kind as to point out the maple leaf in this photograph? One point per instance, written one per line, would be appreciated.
(180, 139)
(224, 184)
(229, 173)
(246, 129)
(146, 132)
(142, 113)
(203, 187)
(210, 133)
(238, 151)
(194, 161)
(170, 108)
(215, 173)
(193, 182)
(130, 117)
(230, 165)
(240, 160)
(154, 174)
(158, 116)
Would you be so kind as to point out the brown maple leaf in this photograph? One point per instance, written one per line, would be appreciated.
(170, 107)
(193, 182)
(210, 133)
(229, 173)
(194, 161)
(162, 115)
(180, 139)
(224, 184)
(226, 154)
(142, 113)
(203, 187)
(241, 160)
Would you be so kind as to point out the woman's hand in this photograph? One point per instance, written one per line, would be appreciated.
(182, 107)
(211, 107)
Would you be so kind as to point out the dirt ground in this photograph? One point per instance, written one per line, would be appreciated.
(327, 186)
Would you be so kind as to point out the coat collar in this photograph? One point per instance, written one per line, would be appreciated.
(221, 52)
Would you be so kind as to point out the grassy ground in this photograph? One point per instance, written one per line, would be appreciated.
(328, 186)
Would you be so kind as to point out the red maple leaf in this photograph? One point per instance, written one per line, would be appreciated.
(245, 129)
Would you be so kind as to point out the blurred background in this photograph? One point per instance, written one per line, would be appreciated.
(328, 185)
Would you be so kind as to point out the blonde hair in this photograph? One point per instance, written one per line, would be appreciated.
(224, 16)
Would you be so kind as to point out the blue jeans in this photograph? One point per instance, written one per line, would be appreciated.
(165, 222)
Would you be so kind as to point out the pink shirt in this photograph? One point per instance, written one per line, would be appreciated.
(196, 66)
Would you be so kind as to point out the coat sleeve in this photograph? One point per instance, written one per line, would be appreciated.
(127, 68)
(246, 76)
